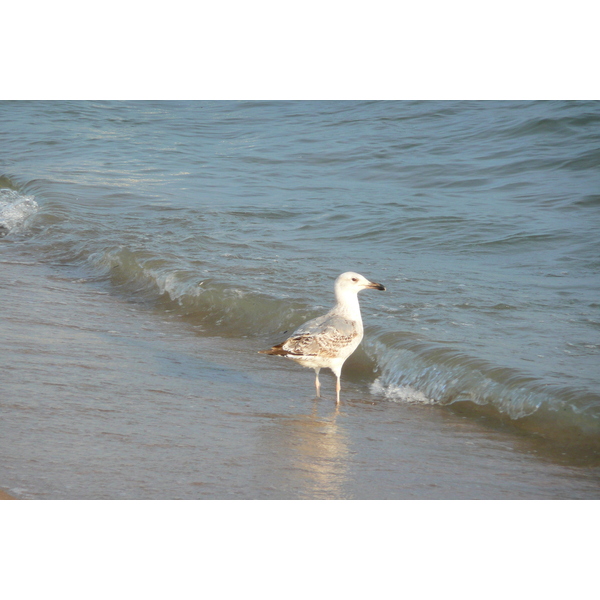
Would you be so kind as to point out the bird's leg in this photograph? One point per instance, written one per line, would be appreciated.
(338, 387)
(317, 384)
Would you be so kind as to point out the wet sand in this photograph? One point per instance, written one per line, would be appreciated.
(105, 399)
(5, 496)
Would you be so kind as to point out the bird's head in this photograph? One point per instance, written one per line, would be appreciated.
(354, 282)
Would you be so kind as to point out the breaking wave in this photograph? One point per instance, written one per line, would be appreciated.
(213, 306)
(415, 371)
(409, 369)
(14, 210)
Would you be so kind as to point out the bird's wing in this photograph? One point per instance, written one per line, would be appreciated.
(323, 336)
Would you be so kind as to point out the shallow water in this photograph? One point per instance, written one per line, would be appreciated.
(149, 249)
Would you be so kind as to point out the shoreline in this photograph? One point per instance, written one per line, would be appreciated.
(116, 389)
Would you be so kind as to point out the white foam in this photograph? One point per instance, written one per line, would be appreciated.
(14, 210)
(400, 393)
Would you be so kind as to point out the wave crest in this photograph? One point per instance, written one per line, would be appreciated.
(14, 210)
(416, 371)
(211, 305)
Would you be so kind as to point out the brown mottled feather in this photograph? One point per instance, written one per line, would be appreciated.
(326, 338)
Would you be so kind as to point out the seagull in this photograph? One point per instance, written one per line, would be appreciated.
(327, 341)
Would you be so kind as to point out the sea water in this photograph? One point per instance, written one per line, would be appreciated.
(150, 249)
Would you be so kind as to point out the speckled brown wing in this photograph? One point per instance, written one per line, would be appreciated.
(323, 337)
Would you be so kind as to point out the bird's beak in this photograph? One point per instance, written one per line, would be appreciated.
(376, 286)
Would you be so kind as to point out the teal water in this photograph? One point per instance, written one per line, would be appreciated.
(232, 219)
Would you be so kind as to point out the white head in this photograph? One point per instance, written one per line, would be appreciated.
(351, 283)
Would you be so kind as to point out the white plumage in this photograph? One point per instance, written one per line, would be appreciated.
(327, 341)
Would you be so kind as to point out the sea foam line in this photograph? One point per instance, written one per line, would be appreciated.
(14, 210)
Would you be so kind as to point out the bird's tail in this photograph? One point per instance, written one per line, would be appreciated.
(275, 351)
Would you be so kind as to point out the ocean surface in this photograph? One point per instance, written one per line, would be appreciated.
(148, 250)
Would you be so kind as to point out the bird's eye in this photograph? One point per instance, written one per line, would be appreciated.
(354, 279)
